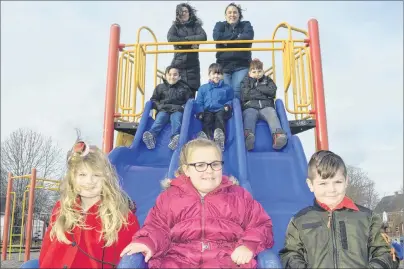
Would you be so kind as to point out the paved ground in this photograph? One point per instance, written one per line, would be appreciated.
(14, 263)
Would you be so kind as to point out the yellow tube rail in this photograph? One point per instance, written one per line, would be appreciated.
(12, 226)
(296, 69)
(295, 74)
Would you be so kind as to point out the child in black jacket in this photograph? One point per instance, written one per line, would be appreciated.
(257, 102)
(169, 99)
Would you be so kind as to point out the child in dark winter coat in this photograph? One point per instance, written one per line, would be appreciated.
(169, 99)
(214, 105)
(203, 219)
(334, 232)
(257, 102)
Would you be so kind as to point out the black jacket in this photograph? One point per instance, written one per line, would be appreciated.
(187, 63)
(170, 98)
(258, 93)
(233, 61)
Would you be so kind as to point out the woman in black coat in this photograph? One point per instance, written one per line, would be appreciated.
(187, 27)
(236, 63)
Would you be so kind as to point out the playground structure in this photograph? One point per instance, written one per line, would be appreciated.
(32, 226)
(301, 66)
(125, 113)
(276, 178)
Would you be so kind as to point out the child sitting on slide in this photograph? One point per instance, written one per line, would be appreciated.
(93, 220)
(169, 99)
(334, 232)
(258, 94)
(214, 101)
(203, 219)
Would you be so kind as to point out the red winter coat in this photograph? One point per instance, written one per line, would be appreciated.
(185, 230)
(55, 254)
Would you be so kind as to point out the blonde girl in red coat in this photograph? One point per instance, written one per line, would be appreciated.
(93, 220)
(203, 219)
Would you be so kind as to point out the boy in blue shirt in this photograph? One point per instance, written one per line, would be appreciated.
(214, 105)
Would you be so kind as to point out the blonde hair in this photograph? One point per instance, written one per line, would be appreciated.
(115, 204)
(190, 147)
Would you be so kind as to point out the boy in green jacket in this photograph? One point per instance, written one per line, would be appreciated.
(334, 232)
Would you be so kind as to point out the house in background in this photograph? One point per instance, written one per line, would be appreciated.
(2, 214)
(393, 205)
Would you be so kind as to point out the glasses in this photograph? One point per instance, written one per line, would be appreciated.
(201, 167)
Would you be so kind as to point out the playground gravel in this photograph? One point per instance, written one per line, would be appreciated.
(14, 263)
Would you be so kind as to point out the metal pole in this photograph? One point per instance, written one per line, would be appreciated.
(30, 219)
(318, 86)
(7, 212)
(110, 97)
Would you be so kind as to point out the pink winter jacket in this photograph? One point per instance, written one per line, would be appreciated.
(185, 230)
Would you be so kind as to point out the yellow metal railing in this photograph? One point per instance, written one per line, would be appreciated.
(50, 185)
(296, 69)
(297, 73)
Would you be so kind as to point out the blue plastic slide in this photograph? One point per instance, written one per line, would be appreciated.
(276, 178)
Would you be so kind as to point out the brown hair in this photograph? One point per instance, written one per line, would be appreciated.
(215, 68)
(240, 11)
(168, 69)
(190, 147)
(256, 64)
(326, 164)
(192, 14)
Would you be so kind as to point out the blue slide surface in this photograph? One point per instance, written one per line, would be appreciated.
(276, 178)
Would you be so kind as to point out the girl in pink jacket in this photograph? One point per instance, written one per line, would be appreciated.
(203, 219)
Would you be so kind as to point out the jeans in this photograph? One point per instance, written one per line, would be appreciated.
(213, 121)
(234, 79)
(252, 115)
(161, 121)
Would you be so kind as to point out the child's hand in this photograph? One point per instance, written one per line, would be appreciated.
(133, 248)
(242, 255)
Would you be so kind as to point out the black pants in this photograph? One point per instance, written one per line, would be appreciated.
(214, 120)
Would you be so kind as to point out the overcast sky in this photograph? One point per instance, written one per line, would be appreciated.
(54, 56)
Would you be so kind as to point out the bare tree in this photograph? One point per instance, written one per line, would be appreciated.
(3, 182)
(361, 188)
(20, 152)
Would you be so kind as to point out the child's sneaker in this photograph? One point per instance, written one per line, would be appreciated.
(174, 142)
(202, 134)
(149, 140)
(250, 141)
(279, 139)
(218, 136)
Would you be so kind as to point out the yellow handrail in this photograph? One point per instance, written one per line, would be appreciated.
(293, 77)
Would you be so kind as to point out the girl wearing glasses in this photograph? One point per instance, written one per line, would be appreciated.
(203, 219)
